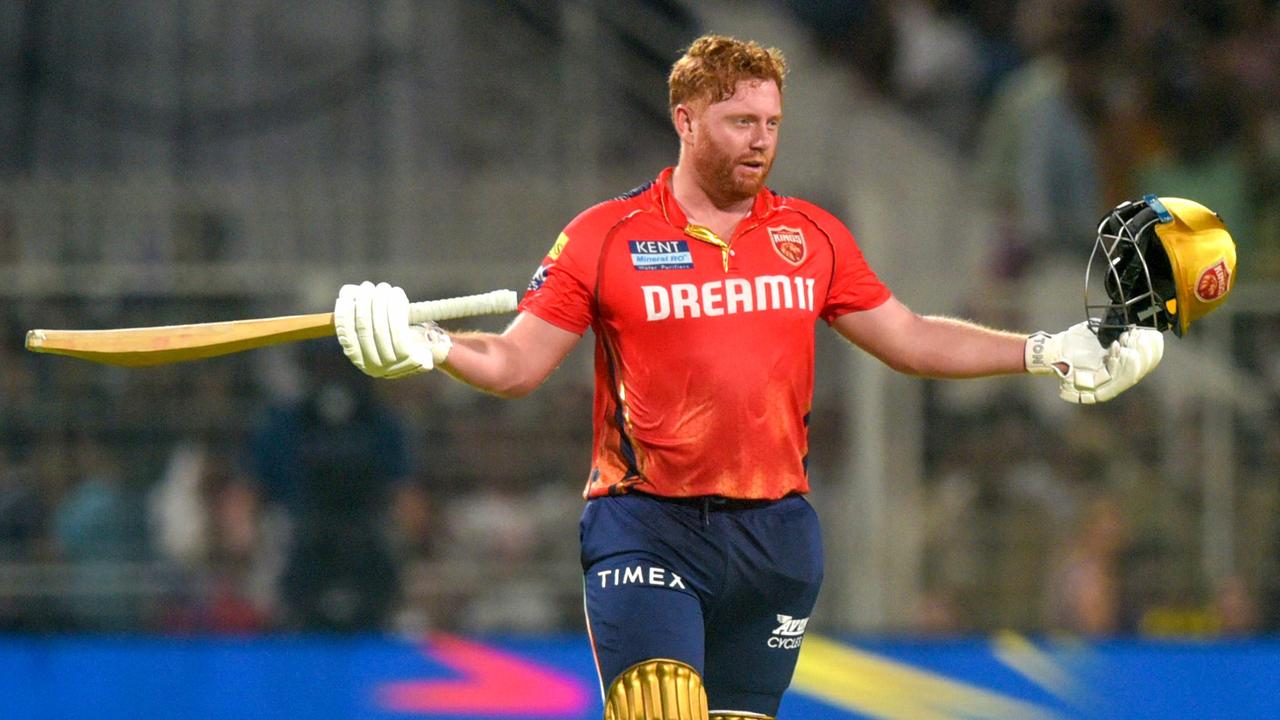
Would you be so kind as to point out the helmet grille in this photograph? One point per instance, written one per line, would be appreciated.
(1137, 278)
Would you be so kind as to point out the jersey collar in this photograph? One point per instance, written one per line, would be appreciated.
(764, 204)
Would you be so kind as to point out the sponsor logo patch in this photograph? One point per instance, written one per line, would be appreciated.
(727, 297)
(539, 277)
(650, 575)
(788, 243)
(660, 254)
(554, 253)
(1213, 282)
(789, 633)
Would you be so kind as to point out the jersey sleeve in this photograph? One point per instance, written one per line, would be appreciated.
(854, 285)
(562, 289)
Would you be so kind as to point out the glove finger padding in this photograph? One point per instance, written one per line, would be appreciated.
(397, 309)
(1128, 360)
(372, 325)
(412, 342)
(364, 325)
(1149, 343)
(1131, 358)
(344, 313)
(383, 311)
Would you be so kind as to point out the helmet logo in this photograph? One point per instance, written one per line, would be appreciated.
(788, 243)
(1213, 282)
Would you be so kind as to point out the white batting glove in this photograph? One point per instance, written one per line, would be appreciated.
(1129, 359)
(372, 325)
(1087, 373)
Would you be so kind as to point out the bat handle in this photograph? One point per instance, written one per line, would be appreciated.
(490, 303)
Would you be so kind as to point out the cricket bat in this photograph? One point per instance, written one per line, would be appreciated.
(141, 346)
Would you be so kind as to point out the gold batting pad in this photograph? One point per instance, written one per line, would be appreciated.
(657, 690)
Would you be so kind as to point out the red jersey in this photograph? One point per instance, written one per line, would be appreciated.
(704, 347)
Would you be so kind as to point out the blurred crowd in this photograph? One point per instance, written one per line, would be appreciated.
(212, 501)
(1068, 107)
(1065, 108)
(196, 503)
(1078, 525)
(225, 507)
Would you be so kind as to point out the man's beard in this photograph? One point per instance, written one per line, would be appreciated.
(716, 169)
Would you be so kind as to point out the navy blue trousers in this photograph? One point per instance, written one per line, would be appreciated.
(724, 586)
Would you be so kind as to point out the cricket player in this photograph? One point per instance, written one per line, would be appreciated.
(701, 556)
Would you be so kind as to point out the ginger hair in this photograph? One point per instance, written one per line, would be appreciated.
(710, 69)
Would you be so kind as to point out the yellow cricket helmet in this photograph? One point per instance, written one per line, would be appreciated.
(1168, 284)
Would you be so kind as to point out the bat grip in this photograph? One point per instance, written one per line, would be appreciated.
(490, 303)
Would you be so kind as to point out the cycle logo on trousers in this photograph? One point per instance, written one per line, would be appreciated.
(789, 633)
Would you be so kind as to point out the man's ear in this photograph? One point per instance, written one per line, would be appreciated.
(682, 118)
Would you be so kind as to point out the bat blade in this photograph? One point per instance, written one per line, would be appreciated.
(138, 347)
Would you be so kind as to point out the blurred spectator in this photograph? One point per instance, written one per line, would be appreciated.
(22, 512)
(414, 534)
(1085, 593)
(208, 521)
(1037, 153)
(23, 518)
(938, 67)
(1235, 608)
(995, 22)
(1204, 157)
(952, 499)
(177, 508)
(17, 398)
(33, 483)
(496, 524)
(1251, 54)
(243, 567)
(859, 33)
(940, 612)
(100, 531)
(413, 526)
(331, 461)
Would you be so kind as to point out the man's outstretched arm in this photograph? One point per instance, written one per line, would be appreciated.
(940, 347)
(514, 363)
(373, 328)
(932, 346)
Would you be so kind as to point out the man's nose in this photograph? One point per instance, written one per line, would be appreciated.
(761, 138)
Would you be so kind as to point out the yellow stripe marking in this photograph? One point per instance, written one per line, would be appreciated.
(862, 682)
(1038, 666)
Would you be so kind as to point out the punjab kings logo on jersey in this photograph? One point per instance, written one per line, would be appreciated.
(788, 243)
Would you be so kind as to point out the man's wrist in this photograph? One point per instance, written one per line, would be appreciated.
(1035, 354)
(439, 342)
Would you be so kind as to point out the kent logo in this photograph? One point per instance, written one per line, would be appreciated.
(660, 254)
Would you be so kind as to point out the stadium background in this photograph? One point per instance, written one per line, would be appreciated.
(176, 541)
